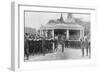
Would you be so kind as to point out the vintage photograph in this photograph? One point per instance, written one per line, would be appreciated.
(56, 36)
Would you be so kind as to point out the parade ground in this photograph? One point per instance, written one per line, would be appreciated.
(68, 54)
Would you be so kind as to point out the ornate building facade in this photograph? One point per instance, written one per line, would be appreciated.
(70, 29)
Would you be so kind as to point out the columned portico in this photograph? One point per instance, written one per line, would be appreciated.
(70, 30)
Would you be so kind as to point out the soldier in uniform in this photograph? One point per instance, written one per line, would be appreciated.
(43, 45)
(26, 47)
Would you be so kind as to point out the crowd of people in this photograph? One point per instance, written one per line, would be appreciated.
(35, 44)
(85, 46)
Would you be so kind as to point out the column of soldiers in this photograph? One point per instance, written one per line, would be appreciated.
(41, 45)
(36, 46)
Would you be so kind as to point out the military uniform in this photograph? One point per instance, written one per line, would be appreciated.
(43, 45)
(26, 48)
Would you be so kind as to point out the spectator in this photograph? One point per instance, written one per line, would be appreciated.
(82, 45)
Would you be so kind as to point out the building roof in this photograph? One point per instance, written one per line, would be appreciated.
(61, 24)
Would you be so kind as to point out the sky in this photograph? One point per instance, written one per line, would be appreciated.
(35, 19)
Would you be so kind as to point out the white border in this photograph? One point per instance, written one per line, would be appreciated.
(19, 63)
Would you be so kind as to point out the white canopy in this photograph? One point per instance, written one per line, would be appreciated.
(61, 26)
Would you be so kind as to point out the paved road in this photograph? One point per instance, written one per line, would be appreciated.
(68, 53)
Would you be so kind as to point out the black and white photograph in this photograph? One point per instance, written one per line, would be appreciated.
(53, 36)
(56, 36)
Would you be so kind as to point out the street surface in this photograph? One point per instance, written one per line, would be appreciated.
(69, 53)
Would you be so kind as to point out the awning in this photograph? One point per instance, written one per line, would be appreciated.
(62, 26)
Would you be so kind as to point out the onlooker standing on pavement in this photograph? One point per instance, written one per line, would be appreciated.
(82, 45)
(87, 46)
